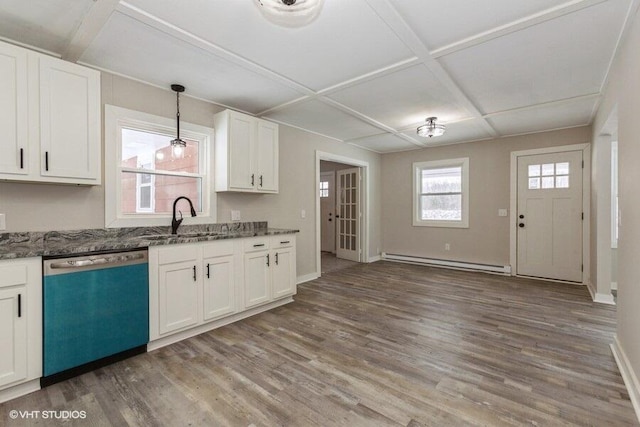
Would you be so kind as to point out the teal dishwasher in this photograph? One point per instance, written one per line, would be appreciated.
(95, 312)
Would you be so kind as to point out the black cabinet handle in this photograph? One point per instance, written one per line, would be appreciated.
(276, 258)
(208, 272)
(19, 305)
(260, 180)
(286, 241)
(46, 160)
(253, 179)
(22, 158)
(194, 273)
(257, 246)
(267, 260)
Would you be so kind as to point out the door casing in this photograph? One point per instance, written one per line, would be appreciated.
(586, 204)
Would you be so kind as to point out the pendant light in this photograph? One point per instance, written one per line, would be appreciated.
(178, 144)
(431, 128)
(290, 13)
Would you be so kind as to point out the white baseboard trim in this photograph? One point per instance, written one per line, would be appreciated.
(458, 265)
(307, 278)
(179, 336)
(600, 297)
(375, 258)
(628, 375)
(614, 286)
(19, 390)
(604, 299)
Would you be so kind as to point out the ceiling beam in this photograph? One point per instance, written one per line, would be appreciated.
(405, 33)
(89, 28)
(518, 25)
(187, 37)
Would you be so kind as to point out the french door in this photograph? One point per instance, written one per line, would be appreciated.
(348, 215)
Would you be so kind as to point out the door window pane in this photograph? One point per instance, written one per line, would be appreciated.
(534, 170)
(562, 168)
(562, 181)
(547, 182)
(547, 169)
(534, 183)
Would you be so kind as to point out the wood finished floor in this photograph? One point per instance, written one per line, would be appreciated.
(374, 345)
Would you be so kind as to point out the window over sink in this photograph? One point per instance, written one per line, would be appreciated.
(144, 174)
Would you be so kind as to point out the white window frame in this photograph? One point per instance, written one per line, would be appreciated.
(418, 167)
(117, 118)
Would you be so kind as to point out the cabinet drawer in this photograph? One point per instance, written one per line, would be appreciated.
(256, 244)
(220, 248)
(283, 241)
(12, 275)
(177, 253)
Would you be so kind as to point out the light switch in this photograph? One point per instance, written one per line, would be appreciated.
(502, 212)
(303, 214)
(3, 222)
(235, 215)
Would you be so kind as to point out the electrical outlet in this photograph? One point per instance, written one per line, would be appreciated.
(502, 212)
(303, 214)
(447, 247)
(235, 215)
(3, 222)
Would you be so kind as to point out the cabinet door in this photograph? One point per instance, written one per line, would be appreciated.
(13, 110)
(69, 120)
(177, 296)
(283, 273)
(256, 278)
(219, 286)
(241, 151)
(13, 335)
(267, 156)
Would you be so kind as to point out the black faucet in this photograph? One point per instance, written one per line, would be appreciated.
(175, 223)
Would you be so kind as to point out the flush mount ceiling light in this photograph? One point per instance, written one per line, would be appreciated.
(431, 129)
(290, 13)
(178, 142)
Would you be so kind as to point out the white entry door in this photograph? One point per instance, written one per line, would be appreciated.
(549, 216)
(348, 215)
(328, 211)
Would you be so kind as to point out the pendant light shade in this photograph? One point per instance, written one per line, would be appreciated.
(178, 142)
(290, 13)
(431, 128)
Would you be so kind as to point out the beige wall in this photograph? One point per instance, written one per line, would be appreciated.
(39, 207)
(623, 94)
(486, 240)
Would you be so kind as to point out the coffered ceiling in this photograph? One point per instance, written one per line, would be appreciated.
(366, 72)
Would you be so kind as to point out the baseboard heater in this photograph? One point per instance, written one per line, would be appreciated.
(498, 269)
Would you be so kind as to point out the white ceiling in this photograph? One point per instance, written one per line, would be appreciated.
(366, 72)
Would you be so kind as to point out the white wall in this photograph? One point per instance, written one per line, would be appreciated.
(39, 207)
(623, 94)
(486, 241)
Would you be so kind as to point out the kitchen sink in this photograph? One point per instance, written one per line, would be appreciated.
(180, 235)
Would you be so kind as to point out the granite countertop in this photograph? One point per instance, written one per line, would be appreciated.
(76, 242)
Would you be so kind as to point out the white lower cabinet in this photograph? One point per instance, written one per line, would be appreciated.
(269, 269)
(20, 323)
(198, 284)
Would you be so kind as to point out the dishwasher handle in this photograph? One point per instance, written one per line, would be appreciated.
(106, 260)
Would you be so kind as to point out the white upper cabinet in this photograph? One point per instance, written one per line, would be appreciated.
(246, 153)
(51, 119)
(69, 120)
(13, 111)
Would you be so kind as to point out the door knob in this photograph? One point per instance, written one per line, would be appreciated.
(329, 219)
(521, 225)
(521, 216)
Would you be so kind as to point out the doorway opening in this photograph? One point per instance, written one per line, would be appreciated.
(342, 212)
